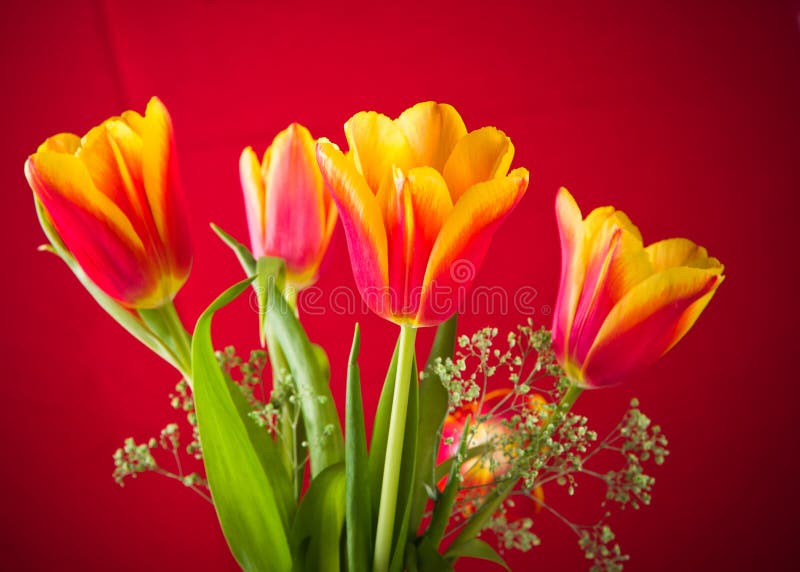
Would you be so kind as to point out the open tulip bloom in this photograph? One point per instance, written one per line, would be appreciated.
(417, 195)
(622, 305)
(420, 198)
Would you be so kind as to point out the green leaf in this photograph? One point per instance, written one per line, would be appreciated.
(269, 453)
(444, 504)
(479, 518)
(433, 410)
(241, 251)
(358, 507)
(320, 418)
(318, 525)
(444, 343)
(270, 273)
(322, 361)
(429, 559)
(477, 548)
(380, 432)
(408, 466)
(411, 558)
(245, 500)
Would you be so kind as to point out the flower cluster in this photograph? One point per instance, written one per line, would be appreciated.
(474, 443)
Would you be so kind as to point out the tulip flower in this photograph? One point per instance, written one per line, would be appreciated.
(490, 466)
(420, 199)
(622, 305)
(114, 198)
(290, 213)
(479, 474)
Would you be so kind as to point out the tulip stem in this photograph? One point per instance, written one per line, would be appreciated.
(394, 450)
(181, 340)
(290, 294)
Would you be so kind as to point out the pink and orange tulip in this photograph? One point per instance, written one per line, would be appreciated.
(419, 195)
(115, 200)
(290, 213)
(622, 305)
(479, 475)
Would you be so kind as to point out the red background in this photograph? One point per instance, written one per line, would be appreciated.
(683, 114)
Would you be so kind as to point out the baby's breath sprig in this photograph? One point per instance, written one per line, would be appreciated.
(597, 543)
(514, 441)
(133, 458)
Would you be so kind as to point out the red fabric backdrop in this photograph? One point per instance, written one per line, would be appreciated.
(683, 114)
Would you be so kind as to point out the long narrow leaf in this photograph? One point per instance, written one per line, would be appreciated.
(477, 548)
(358, 507)
(444, 342)
(479, 518)
(446, 501)
(321, 420)
(406, 483)
(319, 522)
(244, 498)
(240, 250)
(380, 432)
(433, 410)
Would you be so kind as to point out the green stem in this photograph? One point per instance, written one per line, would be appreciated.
(289, 411)
(181, 340)
(290, 294)
(499, 494)
(394, 450)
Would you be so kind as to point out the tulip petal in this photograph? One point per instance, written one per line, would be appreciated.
(254, 197)
(294, 194)
(432, 130)
(61, 143)
(127, 148)
(679, 252)
(362, 222)
(462, 243)
(616, 261)
(94, 229)
(377, 144)
(573, 269)
(481, 155)
(647, 322)
(414, 210)
(101, 164)
(163, 188)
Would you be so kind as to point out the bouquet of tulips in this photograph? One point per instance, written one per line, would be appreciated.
(458, 441)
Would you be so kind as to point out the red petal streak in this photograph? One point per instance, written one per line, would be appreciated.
(636, 346)
(571, 233)
(363, 225)
(294, 215)
(118, 267)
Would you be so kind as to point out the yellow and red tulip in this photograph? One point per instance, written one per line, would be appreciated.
(622, 305)
(290, 213)
(417, 195)
(114, 198)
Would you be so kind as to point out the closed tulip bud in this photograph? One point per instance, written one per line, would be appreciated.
(115, 200)
(290, 213)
